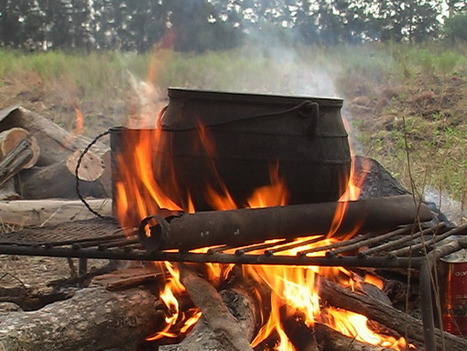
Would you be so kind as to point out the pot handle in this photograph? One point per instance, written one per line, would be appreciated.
(310, 110)
(305, 109)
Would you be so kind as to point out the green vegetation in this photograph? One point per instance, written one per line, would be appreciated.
(403, 100)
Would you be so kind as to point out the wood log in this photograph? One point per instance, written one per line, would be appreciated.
(10, 138)
(7, 191)
(58, 180)
(216, 313)
(17, 151)
(388, 316)
(15, 160)
(93, 319)
(50, 211)
(218, 328)
(55, 143)
(299, 334)
(331, 340)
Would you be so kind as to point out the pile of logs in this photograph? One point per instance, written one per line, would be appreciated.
(119, 310)
(43, 157)
(38, 161)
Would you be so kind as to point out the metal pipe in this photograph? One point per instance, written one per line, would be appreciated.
(249, 226)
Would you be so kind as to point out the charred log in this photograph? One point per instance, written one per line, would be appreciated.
(388, 316)
(218, 328)
(299, 334)
(331, 340)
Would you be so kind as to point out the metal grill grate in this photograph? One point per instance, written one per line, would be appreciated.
(408, 247)
(104, 239)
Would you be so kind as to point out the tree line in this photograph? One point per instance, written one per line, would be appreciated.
(199, 25)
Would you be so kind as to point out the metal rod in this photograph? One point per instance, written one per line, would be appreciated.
(435, 239)
(402, 240)
(355, 243)
(77, 241)
(82, 266)
(250, 248)
(143, 255)
(117, 243)
(294, 245)
(373, 240)
(427, 307)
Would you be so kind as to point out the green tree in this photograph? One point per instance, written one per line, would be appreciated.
(414, 20)
(146, 24)
(455, 28)
(21, 24)
(198, 27)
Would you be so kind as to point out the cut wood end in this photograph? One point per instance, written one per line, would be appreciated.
(91, 166)
(10, 138)
(36, 152)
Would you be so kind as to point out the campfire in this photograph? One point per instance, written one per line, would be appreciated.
(253, 228)
(156, 180)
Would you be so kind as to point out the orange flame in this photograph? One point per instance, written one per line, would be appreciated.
(356, 326)
(78, 125)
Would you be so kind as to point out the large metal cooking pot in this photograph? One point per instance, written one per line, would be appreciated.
(304, 136)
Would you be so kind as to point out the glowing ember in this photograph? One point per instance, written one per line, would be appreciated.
(139, 195)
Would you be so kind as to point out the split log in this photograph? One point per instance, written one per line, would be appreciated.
(248, 226)
(8, 192)
(15, 160)
(18, 150)
(9, 139)
(128, 277)
(299, 334)
(50, 211)
(93, 319)
(58, 180)
(218, 328)
(55, 143)
(388, 316)
(331, 340)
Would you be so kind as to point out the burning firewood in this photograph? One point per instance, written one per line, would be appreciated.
(218, 328)
(331, 340)
(300, 335)
(388, 316)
